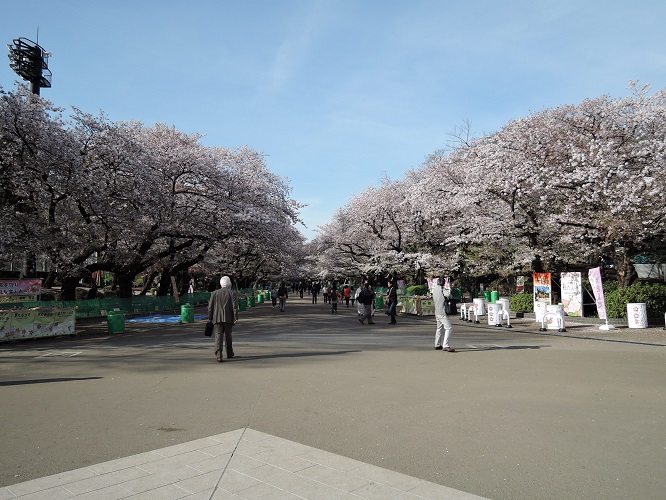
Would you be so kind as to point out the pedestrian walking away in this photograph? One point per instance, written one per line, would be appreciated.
(223, 313)
(443, 331)
(392, 301)
(365, 298)
(315, 292)
(334, 300)
(346, 291)
(282, 295)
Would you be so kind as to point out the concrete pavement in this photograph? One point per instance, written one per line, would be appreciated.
(512, 414)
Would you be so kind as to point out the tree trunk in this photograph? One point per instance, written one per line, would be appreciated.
(68, 290)
(165, 283)
(124, 284)
(537, 264)
(624, 267)
(50, 280)
(31, 265)
(183, 282)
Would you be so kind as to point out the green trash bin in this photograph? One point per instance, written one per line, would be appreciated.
(379, 302)
(187, 313)
(116, 321)
(494, 297)
(242, 303)
(250, 301)
(260, 298)
(486, 296)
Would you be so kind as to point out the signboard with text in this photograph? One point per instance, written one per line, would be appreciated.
(16, 290)
(572, 294)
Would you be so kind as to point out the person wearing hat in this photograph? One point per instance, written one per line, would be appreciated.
(443, 332)
(223, 313)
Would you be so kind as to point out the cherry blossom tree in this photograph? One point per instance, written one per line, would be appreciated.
(559, 188)
(123, 197)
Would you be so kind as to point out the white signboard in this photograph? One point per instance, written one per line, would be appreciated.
(572, 294)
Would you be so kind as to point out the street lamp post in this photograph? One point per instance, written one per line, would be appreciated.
(30, 61)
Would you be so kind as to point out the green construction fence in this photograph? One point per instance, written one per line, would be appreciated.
(137, 304)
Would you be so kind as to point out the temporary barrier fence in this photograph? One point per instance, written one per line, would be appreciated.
(136, 304)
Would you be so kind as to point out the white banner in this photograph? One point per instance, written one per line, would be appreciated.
(598, 290)
(572, 294)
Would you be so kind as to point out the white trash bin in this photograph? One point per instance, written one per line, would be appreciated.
(480, 307)
(505, 302)
(493, 310)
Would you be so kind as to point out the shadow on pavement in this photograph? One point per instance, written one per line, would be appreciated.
(45, 381)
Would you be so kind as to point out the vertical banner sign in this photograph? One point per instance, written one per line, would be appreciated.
(598, 290)
(520, 284)
(572, 294)
(542, 294)
(542, 287)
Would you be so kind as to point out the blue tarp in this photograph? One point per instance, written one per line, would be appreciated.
(161, 318)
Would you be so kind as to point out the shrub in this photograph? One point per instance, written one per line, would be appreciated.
(417, 290)
(522, 302)
(652, 294)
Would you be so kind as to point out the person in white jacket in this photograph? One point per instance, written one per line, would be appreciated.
(443, 332)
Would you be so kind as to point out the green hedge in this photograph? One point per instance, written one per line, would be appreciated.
(522, 302)
(417, 290)
(136, 304)
(652, 294)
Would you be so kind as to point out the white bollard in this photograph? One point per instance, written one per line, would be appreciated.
(507, 316)
(559, 319)
(539, 310)
(470, 310)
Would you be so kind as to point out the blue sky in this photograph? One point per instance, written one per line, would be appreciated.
(338, 93)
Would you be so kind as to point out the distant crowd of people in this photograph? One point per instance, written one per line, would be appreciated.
(223, 311)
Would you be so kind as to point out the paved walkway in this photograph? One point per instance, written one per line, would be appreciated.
(514, 413)
(242, 464)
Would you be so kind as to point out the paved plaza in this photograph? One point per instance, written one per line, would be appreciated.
(316, 405)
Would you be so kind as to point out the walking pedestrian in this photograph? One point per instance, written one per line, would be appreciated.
(366, 298)
(392, 302)
(443, 331)
(315, 292)
(274, 296)
(223, 313)
(360, 309)
(334, 300)
(283, 296)
(346, 292)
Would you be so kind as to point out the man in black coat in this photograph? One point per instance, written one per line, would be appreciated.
(223, 313)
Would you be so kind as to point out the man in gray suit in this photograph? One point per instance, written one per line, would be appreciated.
(223, 313)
